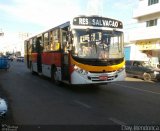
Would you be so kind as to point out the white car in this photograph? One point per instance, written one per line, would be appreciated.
(3, 107)
(20, 59)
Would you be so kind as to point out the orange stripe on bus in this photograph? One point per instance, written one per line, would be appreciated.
(98, 68)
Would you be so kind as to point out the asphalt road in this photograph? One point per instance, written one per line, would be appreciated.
(36, 100)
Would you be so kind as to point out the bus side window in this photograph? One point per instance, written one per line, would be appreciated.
(30, 46)
(39, 44)
(54, 44)
(34, 45)
(54, 40)
(51, 42)
(46, 41)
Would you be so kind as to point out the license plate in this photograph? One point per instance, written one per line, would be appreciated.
(103, 77)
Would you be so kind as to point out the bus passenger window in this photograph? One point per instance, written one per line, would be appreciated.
(46, 41)
(34, 45)
(39, 44)
(51, 42)
(55, 45)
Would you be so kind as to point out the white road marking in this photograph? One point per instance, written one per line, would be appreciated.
(157, 93)
(116, 121)
(82, 104)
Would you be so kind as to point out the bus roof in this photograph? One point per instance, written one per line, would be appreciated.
(56, 27)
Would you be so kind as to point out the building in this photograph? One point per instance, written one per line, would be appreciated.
(12, 42)
(147, 34)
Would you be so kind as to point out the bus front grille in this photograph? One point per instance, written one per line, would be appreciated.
(97, 78)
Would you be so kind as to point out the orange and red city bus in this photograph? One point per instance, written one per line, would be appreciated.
(86, 50)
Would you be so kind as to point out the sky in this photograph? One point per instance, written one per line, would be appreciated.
(34, 16)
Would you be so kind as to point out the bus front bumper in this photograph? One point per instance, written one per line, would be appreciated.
(97, 78)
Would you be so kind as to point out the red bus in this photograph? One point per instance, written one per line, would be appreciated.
(86, 50)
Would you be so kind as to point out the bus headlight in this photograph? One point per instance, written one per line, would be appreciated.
(80, 71)
(120, 70)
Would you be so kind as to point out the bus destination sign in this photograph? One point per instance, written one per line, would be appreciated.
(97, 21)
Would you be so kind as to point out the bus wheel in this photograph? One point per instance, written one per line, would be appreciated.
(147, 77)
(54, 76)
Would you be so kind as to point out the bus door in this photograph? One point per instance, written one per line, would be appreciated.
(27, 53)
(39, 54)
(65, 56)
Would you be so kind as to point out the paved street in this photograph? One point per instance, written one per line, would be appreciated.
(36, 100)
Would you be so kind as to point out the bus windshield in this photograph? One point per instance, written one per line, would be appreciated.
(97, 44)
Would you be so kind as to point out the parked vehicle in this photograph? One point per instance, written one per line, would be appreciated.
(142, 69)
(10, 58)
(20, 59)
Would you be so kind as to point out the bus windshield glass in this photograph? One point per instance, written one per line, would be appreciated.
(97, 44)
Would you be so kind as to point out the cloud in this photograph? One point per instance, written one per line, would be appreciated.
(45, 14)
(95, 7)
(127, 4)
(49, 13)
(42, 12)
